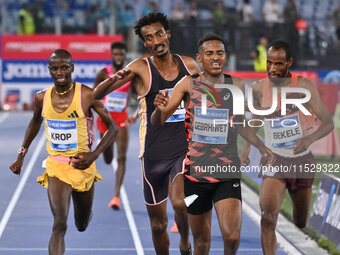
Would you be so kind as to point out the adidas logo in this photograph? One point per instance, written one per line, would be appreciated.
(74, 114)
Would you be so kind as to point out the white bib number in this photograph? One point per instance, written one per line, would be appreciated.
(116, 101)
(285, 131)
(211, 127)
(62, 134)
(179, 114)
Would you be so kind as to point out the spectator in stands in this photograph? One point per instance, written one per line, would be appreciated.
(260, 56)
(151, 7)
(127, 18)
(271, 14)
(67, 22)
(39, 17)
(336, 20)
(246, 12)
(178, 14)
(219, 18)
(290, 16)
(105, 11)
(92, 17)
(25, 22)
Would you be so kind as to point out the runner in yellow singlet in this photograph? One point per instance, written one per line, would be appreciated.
(66, 108)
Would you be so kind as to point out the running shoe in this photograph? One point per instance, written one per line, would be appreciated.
(188, 252)
(174, 228)
(114, 203)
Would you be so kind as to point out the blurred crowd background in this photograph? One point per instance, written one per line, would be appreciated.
(311, 26)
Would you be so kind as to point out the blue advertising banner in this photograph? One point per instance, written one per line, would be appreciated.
(329, 76)
(326, 210)
(36, 71)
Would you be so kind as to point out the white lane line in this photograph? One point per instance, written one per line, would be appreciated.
(3, 117)
(129, 216)
(20, 187)
(282, 241)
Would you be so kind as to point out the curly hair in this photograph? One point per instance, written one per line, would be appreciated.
(118, 45)
(150, 18)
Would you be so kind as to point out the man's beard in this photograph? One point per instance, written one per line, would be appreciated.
(277, 81)
(116, 66)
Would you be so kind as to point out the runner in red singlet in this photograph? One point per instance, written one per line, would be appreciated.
(116, 103)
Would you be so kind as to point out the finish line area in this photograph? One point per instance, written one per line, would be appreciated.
(26, 219)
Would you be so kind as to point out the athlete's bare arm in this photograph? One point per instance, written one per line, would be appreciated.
(191, 65)
(249, 133)
(320, 111)
(166, 105)
(88, 102)
(137, 71)
(31, 131)
(257, 97)
(101, 76)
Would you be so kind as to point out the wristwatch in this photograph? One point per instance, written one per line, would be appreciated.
(22, 151)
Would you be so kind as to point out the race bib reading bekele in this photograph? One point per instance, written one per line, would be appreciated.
(179, 114)
(285, 131)
(116, 101)
(62, 134)
(211, 127)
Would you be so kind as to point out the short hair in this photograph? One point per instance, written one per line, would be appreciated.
(61, 52)
(211, 37)
(118, 45)
(150, 18)
(281, 44)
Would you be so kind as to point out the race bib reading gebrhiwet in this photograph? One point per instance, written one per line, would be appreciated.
(116, 101)
(285, 131)
(211, 127)
(62, 134)
(179, 114)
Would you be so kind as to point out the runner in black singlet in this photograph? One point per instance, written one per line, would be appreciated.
(162, 148)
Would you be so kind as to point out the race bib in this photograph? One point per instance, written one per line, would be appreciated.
(179, 114)
(116, 101)
(62, 134)
(211, 127)
(285, 131)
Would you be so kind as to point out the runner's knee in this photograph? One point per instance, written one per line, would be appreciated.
(108, 158)
(122, 158)
(81, 226)
(268, 220)
(159, 226)
(231, 239)
(300, 223)
(179, 206)
(202, 242)
(60, 225)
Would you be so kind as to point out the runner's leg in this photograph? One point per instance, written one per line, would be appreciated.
(59, 196)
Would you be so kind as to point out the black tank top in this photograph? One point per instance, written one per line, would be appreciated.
(169, 140)
(212, 152)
